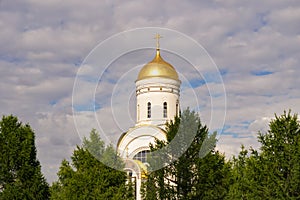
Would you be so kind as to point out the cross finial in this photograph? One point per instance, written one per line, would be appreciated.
(157, 37)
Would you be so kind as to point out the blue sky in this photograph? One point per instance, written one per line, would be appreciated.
(254, 44)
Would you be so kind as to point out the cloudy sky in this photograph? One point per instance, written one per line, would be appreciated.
(44, 46)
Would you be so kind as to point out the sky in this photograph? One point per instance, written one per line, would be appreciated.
(49, 51)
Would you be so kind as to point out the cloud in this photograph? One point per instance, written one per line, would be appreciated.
(231, 146)
(254, 44)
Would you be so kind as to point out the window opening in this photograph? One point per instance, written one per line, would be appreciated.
(165, 110)
(149, 110)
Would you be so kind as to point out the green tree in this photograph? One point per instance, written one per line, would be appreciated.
(87, 177)
(197, 172)
(274, 173)
(20, 171)
(246, 173)
(280, 157)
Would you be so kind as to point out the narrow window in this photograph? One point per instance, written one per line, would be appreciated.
(149, 110)
(165, 112)
(177, 108)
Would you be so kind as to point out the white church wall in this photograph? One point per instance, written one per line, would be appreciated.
(157, 91)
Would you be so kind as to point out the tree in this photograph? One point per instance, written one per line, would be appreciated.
(274, 173)
(87, 177)
(280, 155)
(246, 171)
(20, 171)
(194, 170)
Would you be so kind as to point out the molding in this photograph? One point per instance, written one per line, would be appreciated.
(143, 148)
(137, 127)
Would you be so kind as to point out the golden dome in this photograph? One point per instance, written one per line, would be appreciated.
(158, 68)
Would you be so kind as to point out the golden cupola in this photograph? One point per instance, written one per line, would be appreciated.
(158, 68)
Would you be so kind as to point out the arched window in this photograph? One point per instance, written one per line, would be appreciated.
(149, 110)
(177, 108)
(165, 110)
(141, 156)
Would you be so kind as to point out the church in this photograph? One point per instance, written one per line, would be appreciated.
(157, 101)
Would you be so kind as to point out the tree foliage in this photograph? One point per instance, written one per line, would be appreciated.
(20, 171)
(86, 177)
(198, 172)
(274, 172)
(192, 168)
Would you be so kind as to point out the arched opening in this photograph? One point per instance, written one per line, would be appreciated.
(177, 108)
(165, 110)
(141, 156)
(149, 110)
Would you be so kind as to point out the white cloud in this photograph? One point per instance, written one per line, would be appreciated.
(43, 42)
(231, 146)
(260, 125)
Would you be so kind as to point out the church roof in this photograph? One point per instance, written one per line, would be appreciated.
(158, 68)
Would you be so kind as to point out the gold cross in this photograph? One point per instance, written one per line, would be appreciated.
(157, 37)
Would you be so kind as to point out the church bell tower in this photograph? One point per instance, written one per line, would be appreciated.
(157, 97)
(157, 93)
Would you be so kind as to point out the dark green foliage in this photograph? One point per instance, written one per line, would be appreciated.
(88, 178)
(213, 179)
(245, 175)
(280, 156)
(197, 172)
(274, 173)
(20, 171)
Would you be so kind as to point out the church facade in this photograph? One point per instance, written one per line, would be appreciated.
(157, 101)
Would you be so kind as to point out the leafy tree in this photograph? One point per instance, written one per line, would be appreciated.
(20, 171)
(213, 177)
(245, 176)
(274, 173)
(281, 157)
(86, 177)
(197, 172)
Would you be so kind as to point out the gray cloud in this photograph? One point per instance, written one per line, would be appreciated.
(44, 42)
